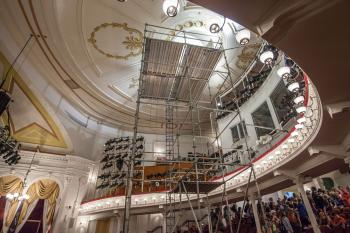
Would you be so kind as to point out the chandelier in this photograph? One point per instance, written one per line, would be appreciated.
(24, 196)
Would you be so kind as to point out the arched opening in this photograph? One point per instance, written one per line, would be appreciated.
(8, 185)
(36, 213)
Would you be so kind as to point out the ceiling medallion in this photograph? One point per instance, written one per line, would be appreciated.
(132, 42)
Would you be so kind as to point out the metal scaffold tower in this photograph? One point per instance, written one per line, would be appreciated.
(175, 72)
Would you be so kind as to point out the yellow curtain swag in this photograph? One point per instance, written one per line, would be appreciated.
(10, 184)
(42, 189)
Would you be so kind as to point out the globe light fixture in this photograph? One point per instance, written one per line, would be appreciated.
(284, 72)
(171, 7)
(291, 140)
(293, 86)
(214, 28)
(299, 99)
(266, 57)
(243, 36)
(301, 109)
(301, 120)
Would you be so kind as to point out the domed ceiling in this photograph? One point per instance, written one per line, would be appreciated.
(91, 52)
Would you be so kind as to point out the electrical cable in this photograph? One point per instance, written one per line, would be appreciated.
(15, 60)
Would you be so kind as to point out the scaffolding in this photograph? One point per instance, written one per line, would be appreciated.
(175, 71)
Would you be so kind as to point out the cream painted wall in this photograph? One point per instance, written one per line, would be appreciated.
(250, 106)
(71, 174)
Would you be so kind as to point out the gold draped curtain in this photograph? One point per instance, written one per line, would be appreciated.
(10, 184)
(42, 189)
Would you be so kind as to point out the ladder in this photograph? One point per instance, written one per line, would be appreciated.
(169, 131)
(169, 142)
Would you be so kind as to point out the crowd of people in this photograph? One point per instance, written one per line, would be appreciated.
(331, 209)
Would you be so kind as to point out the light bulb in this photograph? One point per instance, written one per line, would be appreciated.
(299, 99)
(266, 57)
(301, 109)
(284, 146)
(299, 126)
(15, 195)
(301, 120)
(294, 134)
(293, 87)
(243, 36)
(9, 196)
(291, 140)
(278, 152)
(283, 72)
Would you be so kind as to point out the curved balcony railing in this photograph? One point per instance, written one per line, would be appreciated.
(288, 147)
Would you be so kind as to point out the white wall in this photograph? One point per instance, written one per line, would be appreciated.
(69, 172)
(246, 109)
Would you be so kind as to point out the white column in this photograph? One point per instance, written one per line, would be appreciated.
(164, 223)
(307, 204)
(252, 200)
(280, 194)
(347, 160)
(119, 224)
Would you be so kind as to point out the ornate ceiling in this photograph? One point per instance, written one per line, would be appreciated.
(90, 52)
(31, 121)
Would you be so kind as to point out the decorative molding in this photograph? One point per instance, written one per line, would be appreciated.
(338, 107)
(32, 133)
(187, 25)
(132, 42)
(117, 90)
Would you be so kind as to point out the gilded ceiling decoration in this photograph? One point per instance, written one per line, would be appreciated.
(187, 25)
(30, 121)
(132, 42)
(247, 55)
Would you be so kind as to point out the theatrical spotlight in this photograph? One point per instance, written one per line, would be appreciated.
(8, 147)
(4, 101)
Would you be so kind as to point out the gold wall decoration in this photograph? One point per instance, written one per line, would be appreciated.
(43, 189)
(10, 184)
(132, 42)
(187, 25)
(31, 132)
(247, 55)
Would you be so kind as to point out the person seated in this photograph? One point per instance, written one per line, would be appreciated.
(338, 221)
(324, 220)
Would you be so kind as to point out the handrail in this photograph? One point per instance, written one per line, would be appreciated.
(154, 229)
(190, 220)
(244, 74)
